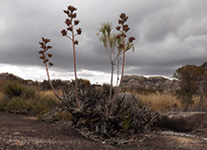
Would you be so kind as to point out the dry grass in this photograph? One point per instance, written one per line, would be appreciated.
(160, 102)
(165, 102)
(196, 100)
(49, 94)
(1, 95)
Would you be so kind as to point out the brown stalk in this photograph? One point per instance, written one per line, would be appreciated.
(125, 28)
(51, 85)
(70, 28)
(44, 54)
(75, 72)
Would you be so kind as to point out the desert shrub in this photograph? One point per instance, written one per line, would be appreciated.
(84, 83)
(106, 87)
(19, 98)
(37, 105)
(41, 105)
(18, 105)
(57, 83)
(12, 89)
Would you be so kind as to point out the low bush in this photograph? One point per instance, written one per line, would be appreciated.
(41, 105)
(12, 89)
(19, 98)
(18, 105)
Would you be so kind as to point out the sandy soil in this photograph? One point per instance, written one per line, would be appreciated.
(25, 132)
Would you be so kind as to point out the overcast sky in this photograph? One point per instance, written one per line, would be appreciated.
(169, 34)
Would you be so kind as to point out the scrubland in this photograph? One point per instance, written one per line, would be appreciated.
(41, 101)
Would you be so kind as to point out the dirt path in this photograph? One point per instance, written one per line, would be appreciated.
(23, 132)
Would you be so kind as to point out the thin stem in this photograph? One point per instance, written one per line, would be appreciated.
(112, 74)
(122, 74)
(74, 63)
(69, 37)
(123, 64)
(117, 71)
(48, 76)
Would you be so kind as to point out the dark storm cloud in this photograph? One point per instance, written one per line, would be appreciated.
(168, 33)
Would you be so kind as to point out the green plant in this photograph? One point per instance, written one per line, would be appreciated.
(18, 105)
(15, 89)
(19, 98)
(127, 121)
(109, 40)
(41, 105)
(12, 89)
(189, 77)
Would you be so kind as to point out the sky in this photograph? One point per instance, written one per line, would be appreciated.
(169, 34)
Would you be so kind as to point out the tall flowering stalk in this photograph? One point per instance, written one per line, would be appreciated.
(71, 22)
(123, 46)
(45, 56)
(123, 28)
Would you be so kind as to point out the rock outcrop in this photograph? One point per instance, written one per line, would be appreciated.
(150, 84)
(181, 121)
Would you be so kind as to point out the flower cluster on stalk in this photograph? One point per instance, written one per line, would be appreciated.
(123, 28)
(44, 55)
(71, 22)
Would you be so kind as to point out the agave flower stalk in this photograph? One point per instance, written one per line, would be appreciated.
(124, 46)
(71, 23)
(45, 56)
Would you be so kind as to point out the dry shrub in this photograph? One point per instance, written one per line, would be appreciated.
(48, 94)
(1, 96)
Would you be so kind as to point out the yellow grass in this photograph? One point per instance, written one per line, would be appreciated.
(160, 102)
(1, 96)
(196, 100)
(49, 94)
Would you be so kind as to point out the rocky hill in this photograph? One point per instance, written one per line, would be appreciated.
(150, 84)
(9, 76)
(4, 77)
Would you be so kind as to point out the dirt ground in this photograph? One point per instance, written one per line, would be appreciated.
(25, 132)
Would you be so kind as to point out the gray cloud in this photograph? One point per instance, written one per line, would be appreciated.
(169, 34)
